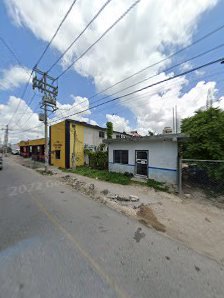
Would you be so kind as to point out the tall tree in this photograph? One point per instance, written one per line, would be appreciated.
(109, 130)
(206, 132)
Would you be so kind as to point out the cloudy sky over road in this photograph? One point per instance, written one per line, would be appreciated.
(148, 35)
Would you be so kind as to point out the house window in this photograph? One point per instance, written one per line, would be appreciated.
(57, 154)
(101, 134)
(118, 136)
(121, 156)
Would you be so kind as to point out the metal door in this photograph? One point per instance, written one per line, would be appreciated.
(142, 162)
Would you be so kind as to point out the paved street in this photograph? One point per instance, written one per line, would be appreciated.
(55, 242)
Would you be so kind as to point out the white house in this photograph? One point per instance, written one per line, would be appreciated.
(155, 157)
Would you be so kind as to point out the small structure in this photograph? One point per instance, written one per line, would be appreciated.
(154, 157)
(33, 149)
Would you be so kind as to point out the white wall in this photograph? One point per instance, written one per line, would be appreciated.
(162, 159)
(91, 136)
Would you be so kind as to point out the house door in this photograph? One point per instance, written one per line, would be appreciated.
(142, 162)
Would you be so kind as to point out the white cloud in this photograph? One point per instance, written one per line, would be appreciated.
(155, 111)
(13, 77)
(20, 124)
(79, 104)
(119, 123)
(25, 124)
(149, 33)
(186, 66)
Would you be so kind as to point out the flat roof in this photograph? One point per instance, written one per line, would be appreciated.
(33, 142)
(90, 125)
(156, 138)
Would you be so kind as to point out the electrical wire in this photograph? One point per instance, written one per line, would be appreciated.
(9, 48)
(157, 74)
(22, 95)
(162, 60)
(93, 44)
(40, 58)
(149, 86)
(56, 32)
(82, 32)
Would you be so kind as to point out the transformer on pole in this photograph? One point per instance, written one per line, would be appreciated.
(48, 86)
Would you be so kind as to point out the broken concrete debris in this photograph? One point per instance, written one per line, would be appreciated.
(133, 198)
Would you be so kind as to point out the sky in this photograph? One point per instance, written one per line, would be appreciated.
(150, 32)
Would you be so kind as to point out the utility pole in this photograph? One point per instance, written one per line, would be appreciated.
(48, 86)
(6, 138)
(176, 119)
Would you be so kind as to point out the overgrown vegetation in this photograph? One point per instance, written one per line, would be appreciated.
(206, 133)
(206, 142)
(157, 185)
(98, 159)
(103, 175)
(118, 178)
(109, 130)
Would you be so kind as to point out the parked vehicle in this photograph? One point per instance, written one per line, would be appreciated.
(1, 163)
(15, 151)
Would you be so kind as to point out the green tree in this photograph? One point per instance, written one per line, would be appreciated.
(109, 130)
(206, 132)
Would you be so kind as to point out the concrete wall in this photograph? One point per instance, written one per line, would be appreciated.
(162, 159)
(91, 136)
(58, 143)
(77, 147)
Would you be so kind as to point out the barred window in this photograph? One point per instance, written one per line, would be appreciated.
(121, 156)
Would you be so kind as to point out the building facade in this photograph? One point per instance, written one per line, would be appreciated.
(154, 157)
(33, 149)
(68, 141)
(70, 138)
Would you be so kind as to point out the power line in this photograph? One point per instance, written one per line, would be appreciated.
(20, 64)
(105, 32)
(22, 95)
(82, 32)
(136, 91)
(38, 61)
(10, 50)
(148, 86)
(56, 32)
(149, 93)
(141, 96)
(162, 60)
(165, 70)
(24, 113)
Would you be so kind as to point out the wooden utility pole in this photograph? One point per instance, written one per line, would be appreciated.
(48, 86)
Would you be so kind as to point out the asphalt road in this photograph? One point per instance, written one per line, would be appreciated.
(57, 243)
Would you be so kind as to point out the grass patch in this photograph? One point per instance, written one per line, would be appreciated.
(157, 185)
(117, 178)
(103, 175)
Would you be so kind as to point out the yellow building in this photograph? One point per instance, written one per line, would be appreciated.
(67, 142)
(32, 148)
(69, 138)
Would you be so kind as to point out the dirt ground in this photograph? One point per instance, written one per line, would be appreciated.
(197, 223)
